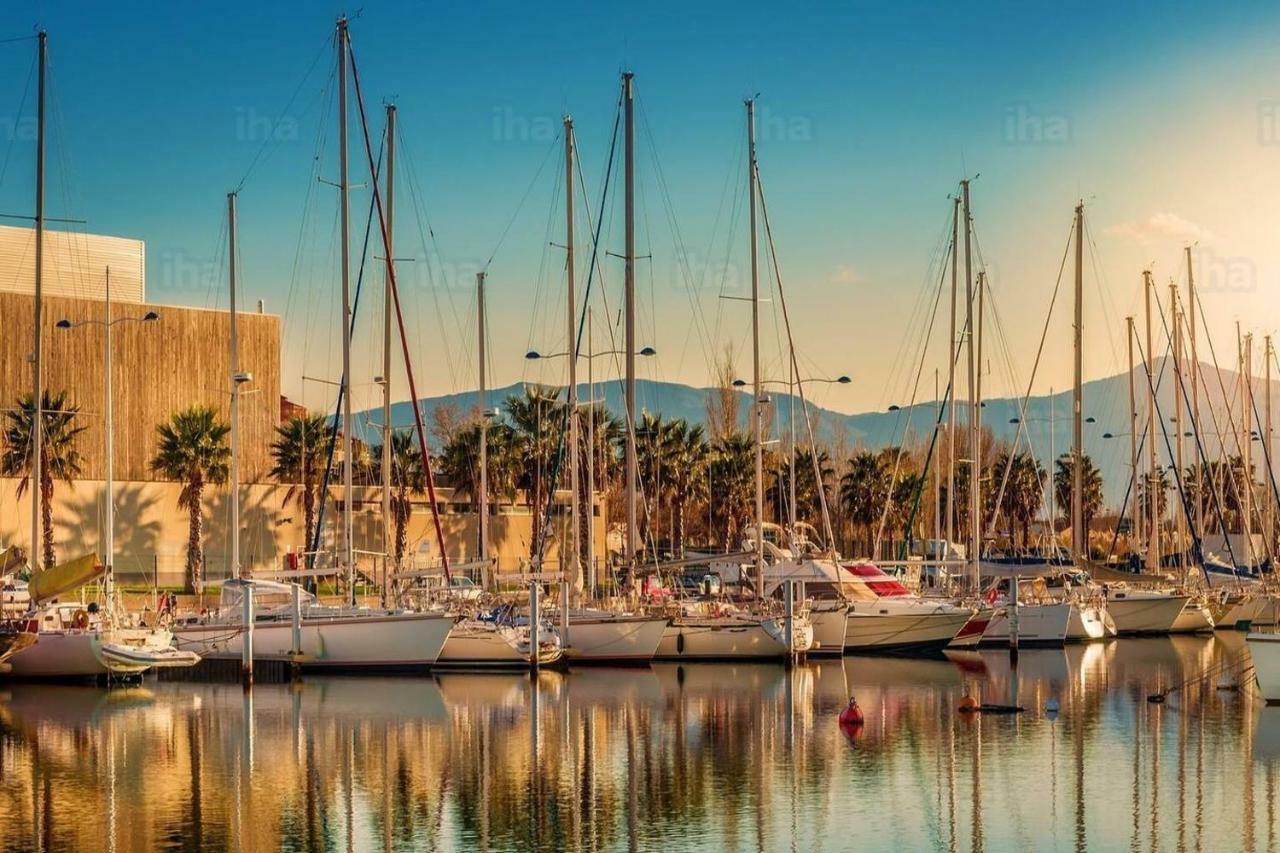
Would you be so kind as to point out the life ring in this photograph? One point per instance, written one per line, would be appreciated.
(80, 619)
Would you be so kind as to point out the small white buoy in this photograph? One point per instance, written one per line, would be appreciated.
(1051, 706)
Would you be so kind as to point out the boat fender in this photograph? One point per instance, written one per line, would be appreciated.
(968, 704)
(80, 619)
(852, 714)
(680, 643)
(1051, 706)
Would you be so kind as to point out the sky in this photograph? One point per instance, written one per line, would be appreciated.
(1164, 119)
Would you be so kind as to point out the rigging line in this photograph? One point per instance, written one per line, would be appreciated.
(1035, 368)
(1275, 491)
(326, 45)
(395, 292)
(555, 144)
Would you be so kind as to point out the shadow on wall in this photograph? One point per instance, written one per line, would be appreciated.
(78, 526)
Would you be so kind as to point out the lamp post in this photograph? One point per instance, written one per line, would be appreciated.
(590, 357)
(107, 323)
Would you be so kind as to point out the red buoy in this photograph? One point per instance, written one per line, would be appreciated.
(852, 714)
(968, 704)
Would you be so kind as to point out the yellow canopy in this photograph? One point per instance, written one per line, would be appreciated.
(66, 576)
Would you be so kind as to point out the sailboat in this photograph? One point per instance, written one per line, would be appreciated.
(72, 640)
(720, 630)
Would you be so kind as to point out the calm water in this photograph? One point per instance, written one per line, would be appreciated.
(704, 757)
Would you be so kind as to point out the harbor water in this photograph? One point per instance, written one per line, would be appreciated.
(704, 757)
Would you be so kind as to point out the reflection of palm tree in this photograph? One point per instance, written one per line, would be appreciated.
(193, 450)
(299, 454)
(59, 458)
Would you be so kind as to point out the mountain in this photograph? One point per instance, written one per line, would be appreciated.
(1105, 403)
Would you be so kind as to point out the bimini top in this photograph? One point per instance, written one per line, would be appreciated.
(879, 583)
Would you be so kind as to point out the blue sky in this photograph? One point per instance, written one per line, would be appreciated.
(1163, 119)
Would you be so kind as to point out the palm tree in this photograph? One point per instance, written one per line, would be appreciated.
(1091, 478)
(299, 456)
(863, 489)
(1023, 491)
(535, 418)
(59, 458)
(688, 457)
(193, 450)
(732, 470)
(408, 476)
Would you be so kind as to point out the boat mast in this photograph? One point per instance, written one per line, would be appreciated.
(484, 423)
(977, 429)
(1138, 530)
(1153, 491)
(1269, 532)
(389, 212)
(974, 474)
(1079, 536)
(37, 411)
(1246, 446)
(757, 400)
(575, 512)
(234, 347)
(1175, 312)
(951, 381)
(109, 515)
(629, 299)
(348, 526)
(1195, 388)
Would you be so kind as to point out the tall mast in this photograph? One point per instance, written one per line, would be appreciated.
(757, 399)
(1138, 530)
(951, 381)
(1269, 532)
(591, 461)
(629, 298)
(109, 520)
(1176, 313)
(575, 513)
(484, 422)
(348, 526)
(791, 421)
(1246, 446)
(1153, 481)
(974, 474)
(977, 426)
(1079, 536)
(387, 297)
(37, 411)
(1195, 389)
(234, 347)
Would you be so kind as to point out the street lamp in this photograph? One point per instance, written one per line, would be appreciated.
(107, 325)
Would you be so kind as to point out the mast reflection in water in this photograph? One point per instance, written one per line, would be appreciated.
(701, 757)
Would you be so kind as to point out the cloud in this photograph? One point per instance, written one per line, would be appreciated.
(844, 274)
(1163, 226)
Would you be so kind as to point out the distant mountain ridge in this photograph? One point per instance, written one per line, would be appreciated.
(1105, 402)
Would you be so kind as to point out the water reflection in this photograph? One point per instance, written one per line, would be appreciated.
(704, 757)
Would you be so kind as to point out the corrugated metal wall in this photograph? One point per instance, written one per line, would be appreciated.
(75, 264)
(157, 369)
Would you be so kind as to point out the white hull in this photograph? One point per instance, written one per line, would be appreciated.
(73, 653)
(1264, 649)
(1145, 613)
(1193, 618)
(482, 645)
(607, 638)
(1038, 625)
(829, 620)
(343, 642)
(732, 637)
(1089, 623)
(908, 625)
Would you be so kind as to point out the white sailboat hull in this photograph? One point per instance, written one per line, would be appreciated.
(732, 638)
(887, 626)
(829, 621)
(1145, 614)
(1038, 625)
(1264, 649)
(397, 640)
(1090, 622)
(617, 639)
(74, 653)
(1193, 619)
(473, 645)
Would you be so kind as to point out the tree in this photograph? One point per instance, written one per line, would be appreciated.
(722, 399)
(732, 471)
(1091, 500)
(808, 504)
(1023, 491)
(536, 418)
(299, 456)
(688, 457)
(408, 476)
(193, 450)
(863, 490)
(59, 457)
